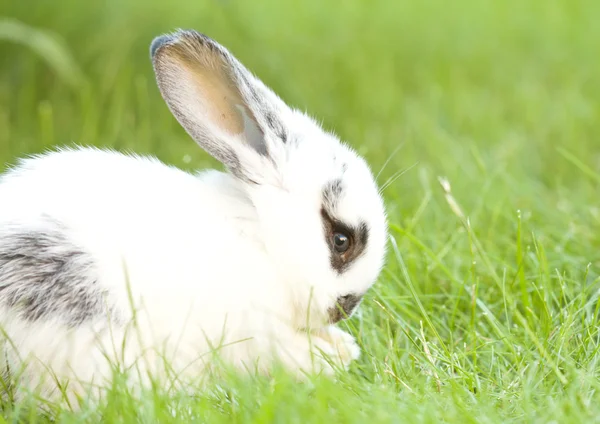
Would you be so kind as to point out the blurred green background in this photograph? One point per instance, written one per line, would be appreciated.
(500, 97)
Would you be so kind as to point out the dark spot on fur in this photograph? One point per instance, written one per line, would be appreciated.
(344, 307)
(44, 275)
(275, 125)
(363, 233)
(269, 117)
(332, 193)
(283, 135)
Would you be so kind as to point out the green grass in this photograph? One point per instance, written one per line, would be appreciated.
(487, 310)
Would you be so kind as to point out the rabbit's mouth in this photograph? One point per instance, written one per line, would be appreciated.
(344, 307)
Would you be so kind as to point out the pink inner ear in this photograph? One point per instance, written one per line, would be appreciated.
(216, 93)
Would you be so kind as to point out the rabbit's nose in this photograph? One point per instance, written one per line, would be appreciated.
(344, 307)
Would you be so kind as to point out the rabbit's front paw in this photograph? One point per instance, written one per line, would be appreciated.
(322, 351)
(342, 347)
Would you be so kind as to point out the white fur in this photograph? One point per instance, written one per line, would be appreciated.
(208, 259)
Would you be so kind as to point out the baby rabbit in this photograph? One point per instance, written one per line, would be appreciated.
(255, 264)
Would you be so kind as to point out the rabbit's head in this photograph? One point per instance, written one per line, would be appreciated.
(321, 217)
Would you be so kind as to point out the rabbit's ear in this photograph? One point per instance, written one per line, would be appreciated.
(228, 111)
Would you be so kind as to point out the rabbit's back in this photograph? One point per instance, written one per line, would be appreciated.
(79, 229)
(89, 236)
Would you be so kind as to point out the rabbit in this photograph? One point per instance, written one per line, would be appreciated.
(254, 264)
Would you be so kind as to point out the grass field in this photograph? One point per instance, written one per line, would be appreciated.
(488, 308)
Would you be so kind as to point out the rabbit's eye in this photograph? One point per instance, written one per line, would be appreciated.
(341, 242)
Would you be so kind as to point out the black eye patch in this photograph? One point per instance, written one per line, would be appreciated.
(346, 243)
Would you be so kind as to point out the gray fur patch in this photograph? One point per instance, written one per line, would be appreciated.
(332, 193)
(43, 275)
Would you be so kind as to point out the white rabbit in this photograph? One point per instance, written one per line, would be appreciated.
(259, 262)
